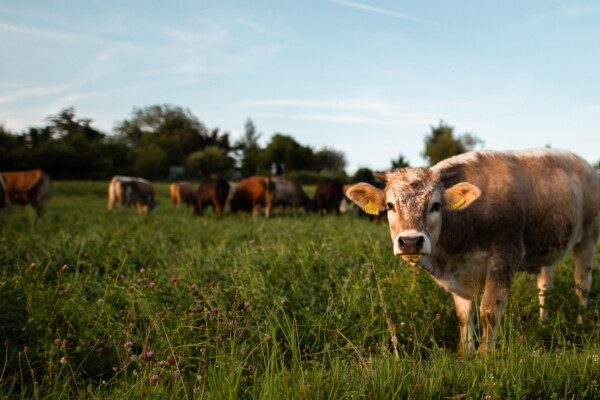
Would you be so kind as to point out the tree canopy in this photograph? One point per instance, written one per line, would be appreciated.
(441, 143)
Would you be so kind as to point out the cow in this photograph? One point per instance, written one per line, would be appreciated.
(127, 190)
(252, 193)
(25, 187)
(328, 196)
(183, 192)
(475, 219)
(290, 194)
(214, 193)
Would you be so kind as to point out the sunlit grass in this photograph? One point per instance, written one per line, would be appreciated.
(255, 308)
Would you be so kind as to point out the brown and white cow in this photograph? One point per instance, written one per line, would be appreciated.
(127, 190)
(183, 192)
(475, 219)
(25, 187)
(252, 193)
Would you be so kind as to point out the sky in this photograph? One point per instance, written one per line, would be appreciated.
(368, 77)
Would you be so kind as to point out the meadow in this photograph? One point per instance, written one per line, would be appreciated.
(120, 305)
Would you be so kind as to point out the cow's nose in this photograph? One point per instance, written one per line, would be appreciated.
(411, 244)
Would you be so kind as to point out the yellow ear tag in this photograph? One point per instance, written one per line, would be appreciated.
(371, 208)
(458, 202)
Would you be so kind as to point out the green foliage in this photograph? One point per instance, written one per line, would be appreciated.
(248, 144)
(441, 143)
(400, 162)
(363, 175)
(329, 159)
(253, 308)
(286, 154)
(212, 160)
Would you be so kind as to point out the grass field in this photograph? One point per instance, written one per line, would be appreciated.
(98, 305)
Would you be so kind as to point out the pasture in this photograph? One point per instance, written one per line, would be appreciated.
(98, 305)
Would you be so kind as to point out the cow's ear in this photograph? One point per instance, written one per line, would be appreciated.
(367, 197)
(461, 196)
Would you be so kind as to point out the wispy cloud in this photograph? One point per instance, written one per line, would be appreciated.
(42, 33)
(381, 11)
(33, 91)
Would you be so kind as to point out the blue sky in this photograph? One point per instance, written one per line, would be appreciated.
(367, 77)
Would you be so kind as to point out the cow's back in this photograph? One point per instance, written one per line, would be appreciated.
(538, 201)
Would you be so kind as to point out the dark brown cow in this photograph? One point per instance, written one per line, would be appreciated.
(473, 220)
(290, 194)
(127, 190)
(25, 187)
(214, 193)
(183, 192)
(252, 193)
(328, 196)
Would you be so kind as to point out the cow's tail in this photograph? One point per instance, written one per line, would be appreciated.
(269, 195)
(4, 199)
(42, 189)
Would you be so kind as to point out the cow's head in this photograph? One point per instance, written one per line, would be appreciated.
(414, 199)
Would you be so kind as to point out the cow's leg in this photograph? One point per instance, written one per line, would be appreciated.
(255, 210)
(217, 209)
(584, 257)
(497, 284)
(545, 282)
(111, 196)
(464, 309)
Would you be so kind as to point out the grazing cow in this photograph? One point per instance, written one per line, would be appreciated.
(212, 192)
(252, 193)
(183, 192)
(328, 196)
(127, 190)
(25, 187)
(475, 219)
(290, 194)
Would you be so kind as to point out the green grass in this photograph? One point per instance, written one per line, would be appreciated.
(313, 326)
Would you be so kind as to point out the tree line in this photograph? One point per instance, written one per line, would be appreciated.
(169, 142)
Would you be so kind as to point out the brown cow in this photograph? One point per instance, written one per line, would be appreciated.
(183, 192)
(127, 190)
(473, 220)
(328, 196)
(214, 193)
(252, 193)
(25, 187)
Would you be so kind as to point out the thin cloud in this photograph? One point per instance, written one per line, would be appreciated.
(43, 33)
(381, 11)
(33, 91)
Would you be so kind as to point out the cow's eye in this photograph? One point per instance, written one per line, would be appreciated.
(435, 207)
(390, 206)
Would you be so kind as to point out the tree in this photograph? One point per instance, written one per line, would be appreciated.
(174, 129)
(212, 160)
(286, 154)
(149, 161)
(400, 162)
(441, 143)
(597, 165)
(248, 144)
(329, 159)
(363, 175)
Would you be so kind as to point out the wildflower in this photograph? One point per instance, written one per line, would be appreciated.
(63, 360)
(170, 360)
(32, 266)
(122, 276)
(149, 355)
(174, 279)
(128, 346)
(284, 301)
(193, 287)
(176, 374)
(246, 305)
(64, 268)
(142, 270)
(100, 350)
(215, 310)
(58, 342)
(154, 379)
(151, 285)
(26, 350)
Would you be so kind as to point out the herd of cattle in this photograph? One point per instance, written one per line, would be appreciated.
(471, 221)
(248, 195)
